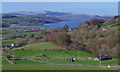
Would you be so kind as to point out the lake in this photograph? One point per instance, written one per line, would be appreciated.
(71, 24)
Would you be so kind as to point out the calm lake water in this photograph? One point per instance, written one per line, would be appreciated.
(71, 24)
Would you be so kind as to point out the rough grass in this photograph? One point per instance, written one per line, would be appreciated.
(20, 31)
(79, 53)
(84, 62)
(51, 67)
(9, 42)
(4, 61)
(57, 53)
(27, 62)
(50, 53)
(39, 46)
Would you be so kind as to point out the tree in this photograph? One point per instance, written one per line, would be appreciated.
(29, 36)
(59, 38)
(95, 21)
(65, 28)
(21, 43)
(63, 39)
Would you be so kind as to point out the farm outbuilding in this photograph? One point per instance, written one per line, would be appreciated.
(7, 47)
(104, 58)
(71, 59)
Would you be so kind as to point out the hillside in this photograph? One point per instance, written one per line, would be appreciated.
(98, 36)
(11, 20)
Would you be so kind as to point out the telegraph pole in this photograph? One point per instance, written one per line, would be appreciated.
(100, 60)
(13, 50)
(78, 53)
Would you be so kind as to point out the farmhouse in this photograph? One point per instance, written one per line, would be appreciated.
(104, 29)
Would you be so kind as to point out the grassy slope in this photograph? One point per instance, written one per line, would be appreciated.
(20, 31)
(27, 62)
(32, 53)
(51, 53)
(84, 62)
(51, 67)
(79, 53)
(39, 46)
(4, 61)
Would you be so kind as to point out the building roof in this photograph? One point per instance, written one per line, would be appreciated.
(104, 58)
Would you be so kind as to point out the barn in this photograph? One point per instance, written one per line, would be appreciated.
(104, 58)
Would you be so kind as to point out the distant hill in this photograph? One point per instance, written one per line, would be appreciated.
(11, 20)
(82, 17)
(40, 13)
(41, 17)
(59, 14)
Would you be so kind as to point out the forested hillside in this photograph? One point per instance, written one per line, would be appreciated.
(96, 36)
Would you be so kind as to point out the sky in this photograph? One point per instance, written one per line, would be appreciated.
(60, 0)
(90, 8)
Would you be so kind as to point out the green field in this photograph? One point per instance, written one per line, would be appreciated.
(79, 53)
(51, 67)
(39, 46)
(32, 65)
(49, 53)
(60, 54)
(9, 42)
(11, 31)
(27, 62)
(83, 62)
(4, 61)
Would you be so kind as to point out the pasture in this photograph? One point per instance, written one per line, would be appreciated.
(14, 31)
(49, 53)
(39, 46)
(4, 61)
(54, 64)
(51, 67)
(83, 62)
(9, 42)
(27, 62)
(59, 57)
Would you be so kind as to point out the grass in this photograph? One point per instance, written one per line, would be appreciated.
(48, 53)
(10, 31)
(12, 40)
(51, 67)
(31, 65)
(9, 42)
(4, 61)
(39, 46)
(27, 62)
(84, 62)
(57, 53)
(79, 53)
(69, 33)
